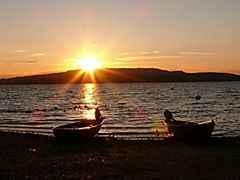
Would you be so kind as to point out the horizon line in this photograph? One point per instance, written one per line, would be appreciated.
(67, 70)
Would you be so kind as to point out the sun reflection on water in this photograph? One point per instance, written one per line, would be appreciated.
(89, 99)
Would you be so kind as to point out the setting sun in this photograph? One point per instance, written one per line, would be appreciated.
(89, 63)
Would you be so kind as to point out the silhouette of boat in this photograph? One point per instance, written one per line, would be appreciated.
(85, 129)
(188, 130)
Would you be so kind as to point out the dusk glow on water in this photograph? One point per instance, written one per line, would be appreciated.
(131, 110)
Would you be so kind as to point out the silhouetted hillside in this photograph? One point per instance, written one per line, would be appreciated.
(121, 75)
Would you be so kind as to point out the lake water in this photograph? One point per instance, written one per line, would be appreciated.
(131, 110)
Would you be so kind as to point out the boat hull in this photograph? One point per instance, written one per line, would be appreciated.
(190, 130)
(76, 131)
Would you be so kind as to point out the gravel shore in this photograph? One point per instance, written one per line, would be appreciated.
(37, 157)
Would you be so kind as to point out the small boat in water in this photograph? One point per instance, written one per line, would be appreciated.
(188, 130)
(84, 129)
(81, 130)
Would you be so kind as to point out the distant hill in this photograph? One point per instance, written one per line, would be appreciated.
(121, 75)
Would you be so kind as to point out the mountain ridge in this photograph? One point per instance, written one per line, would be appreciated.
(121, 75)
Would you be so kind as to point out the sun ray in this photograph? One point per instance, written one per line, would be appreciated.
(112, 71)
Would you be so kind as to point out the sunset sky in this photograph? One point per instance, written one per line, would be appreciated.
(42, 36)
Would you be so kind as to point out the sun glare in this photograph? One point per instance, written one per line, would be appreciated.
(89, 63)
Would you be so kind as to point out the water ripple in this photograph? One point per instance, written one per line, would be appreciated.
(129, 108)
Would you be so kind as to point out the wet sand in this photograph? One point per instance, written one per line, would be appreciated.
(37, 157)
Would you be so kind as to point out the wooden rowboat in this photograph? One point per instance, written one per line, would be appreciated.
(83, 130)
(188, 130)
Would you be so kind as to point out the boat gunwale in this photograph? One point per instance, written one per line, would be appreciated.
(75, 129)
(189, 124)
(87, 127)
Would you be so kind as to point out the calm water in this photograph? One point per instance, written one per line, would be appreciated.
(131, 110)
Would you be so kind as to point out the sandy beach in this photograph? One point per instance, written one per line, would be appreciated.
(37, 157)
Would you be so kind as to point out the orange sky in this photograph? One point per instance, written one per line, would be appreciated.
(49, 36)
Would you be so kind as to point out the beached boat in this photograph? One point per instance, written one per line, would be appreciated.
(188, 130)
(83, 130)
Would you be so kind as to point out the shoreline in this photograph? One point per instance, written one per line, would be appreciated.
(25, 156)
